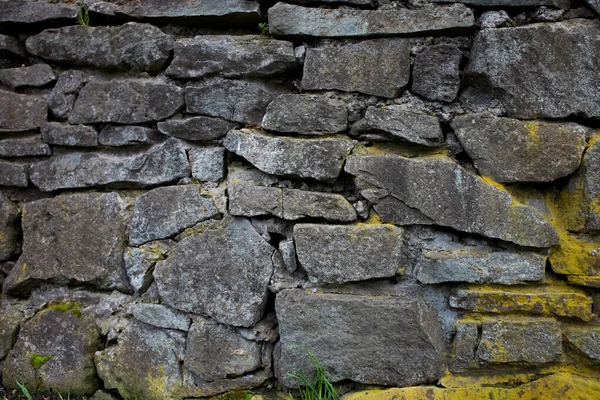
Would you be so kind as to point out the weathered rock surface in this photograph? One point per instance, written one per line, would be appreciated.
(132, 46)
(509, 150)
(290, 20)
(130, 101)
(9, 47)
(116, 136)
(21, 112)
(345, 253)
(9, 214)
(231, 57)
(166, 211)
(62, 134)
(594, 4)
(299, 204)
(104, 395)
(207, 163)
(586, 340)
(397, 123)
(21, 12)
(36, 75)
(24, 147)
(62, 97)
(320, 159)
(306, 114)
(14, 174)
(379, 67)
(464, 346)
(364, 3)
(449, 195)
(196, 128)
(54, 351)
(516, 3)
(564, 87)
(374, 340)
(243, 101)
(436, 74)
(140, 261)
(162, 163)
(187, 279)
(161, 316)
(530, 341)
(10, 321)
(72, 239)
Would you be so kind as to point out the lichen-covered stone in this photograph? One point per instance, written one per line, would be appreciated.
(586, 340)
(565, 86)
(63, 134)
(104, 395)
(10, 321)
(379, 67)
(166, 211)
(72, 239)
(436, 72)
(116, 136)
(299, 204)
(207, 163)
(24, 147)
(196, 128)
(231, 57)
(509, 150)
(291, 20)
(21, 112)
(35, 75)
(161, 316)
(374, 340)
(9, 214)
(14, 174)
(320, 159)
(464, 346)
(129, 101)
(132, 46)
(236, 293)
(393, 211)
(62, 97)
(23, 13)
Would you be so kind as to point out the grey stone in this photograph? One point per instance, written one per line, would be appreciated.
(187, 279)
(9, 231)
(545, 14)
(509, 3)
(397, 123)
(493, 19)
(104, 395)
(464, 346)
(346, 253)
(132, 46)
(509, 150)
(161, 316)
(243, 101)
(24, 147)
(22, 13)
(62, 98)
(67, 341)
(14, 174)
(379, 67)
(394, 211)
(35, 75)
(594, 5)
(10, 321)
(299, 204)
(362, 3)
(584, 339)
(436, 74)
(9, 46)
(451, 196)
(216, 351)
(306, 114)
(72, 239)
(166, 211)
(130, 101)
(162, 163)
(63, 134)
(196, 128)
(207, 163)
(290, 20)
(250, 194)
(140, 261)
(566, 86)
(116, 136)
(287, 249)
(373, 340)
(21, 112)
(231, 57)
(529, 341)
(266, 330)
(320, 159)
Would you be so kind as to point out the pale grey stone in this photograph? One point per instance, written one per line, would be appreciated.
(207, 163)
(299, 204)
(161, 316)
(24, 147)
(63, 134)
(14, 174)
(436, 73)
(35, 75)
(493, 19)
(287, 249)
(140, 261)
(116, 136)
(196, 128)
(21, 112)
(584, 339)
(394, 211)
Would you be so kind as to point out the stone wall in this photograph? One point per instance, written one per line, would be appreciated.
(409, 190)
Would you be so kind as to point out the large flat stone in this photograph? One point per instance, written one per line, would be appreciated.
(22, 13)
(372, 340)
(231, 57)
(117, 136)
(509, 150)
(9, 231)
(160, 164)
(196, 128)
(132, 46)
(161, 316)
(291, 20)
(21, 112)
(35, 75)
(62, 134)
(565, 86)
(379, 67)
(24, 147)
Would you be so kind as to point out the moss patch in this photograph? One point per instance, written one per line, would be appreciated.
(65, 306)
(37, 360)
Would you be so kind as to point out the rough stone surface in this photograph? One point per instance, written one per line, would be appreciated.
(299, 204)
(231, 57)
(464, 346)
(68, 239)
(509, 150)
(24, 147)
(129, 101)
(453, 197)
(104, 395)
(306, 114)
(166, 211)
(161, 316)
(14, 174)
(187, 279)
(320, 159)
(162, 163)
(9, 214)
(207, 163)
(243, 101)
(116, 136)
(337, 254)
(362, 3)
(62, 97)
(493, 19)
(594, 5)
(436, 74)
(585, 340)
(133, 46)
(36, 75)
(379, 67)
(10, 321)
(396, 123)
(196, 128)
(509, 3)
(290, 20)
(393, 211)
(9, 47)
(373, 340)
(21, 12)
(21, 112)
(530, 341)
(140, 261)
(564, 87)
(61, 134)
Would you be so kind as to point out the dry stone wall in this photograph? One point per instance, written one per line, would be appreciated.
(408, 190)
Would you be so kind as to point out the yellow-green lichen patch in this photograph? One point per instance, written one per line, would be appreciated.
(37, 361)
(65, 306)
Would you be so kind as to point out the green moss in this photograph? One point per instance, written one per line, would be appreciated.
(236, 395)
(37, 360)
(65, 306)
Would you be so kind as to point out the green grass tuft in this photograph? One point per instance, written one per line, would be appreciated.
(83, 17)
(318, 386)
(37, 361)
(24, 390)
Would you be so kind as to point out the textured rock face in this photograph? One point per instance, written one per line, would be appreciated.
(379, 67)
(27, 12)
(509, 150)
(14, 174)
(140, 261)
(133, 46)
(21, 112)
(594, 4)
(207, 163)
(436, 72)
(69, 135)
(510, 3)
(24, 147)
(116, 136)
(564, 87)
(10, 320)
(385, 341)
(161, 316)
(586, 340)
(231, 57)
(9, 47)
(9, 213)
(36, 75)
(62, 98)
(196, 128)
